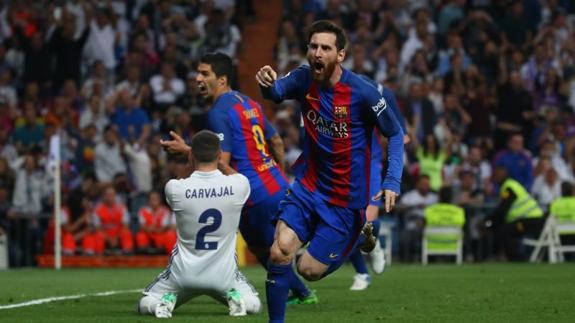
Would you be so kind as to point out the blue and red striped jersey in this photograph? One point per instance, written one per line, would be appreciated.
(244, 130)
(338, 124)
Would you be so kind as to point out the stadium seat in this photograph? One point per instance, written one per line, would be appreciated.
(443, 233)
(442, 241)
(550, 238)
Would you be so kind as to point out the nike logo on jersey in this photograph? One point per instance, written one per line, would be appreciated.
(311, 98)
(332, 255)
(270, 281)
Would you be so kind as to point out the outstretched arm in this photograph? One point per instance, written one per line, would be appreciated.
(279, 89)
(388, 125)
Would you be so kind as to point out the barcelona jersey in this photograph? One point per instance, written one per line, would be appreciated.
(338, 123)
(244, 130)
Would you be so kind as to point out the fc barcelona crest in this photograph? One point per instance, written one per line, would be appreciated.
(341, 112)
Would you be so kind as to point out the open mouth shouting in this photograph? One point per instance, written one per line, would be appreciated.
(318, 68)
(202, 88)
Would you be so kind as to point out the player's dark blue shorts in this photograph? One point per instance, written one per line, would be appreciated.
(332, 231)
(257, 223)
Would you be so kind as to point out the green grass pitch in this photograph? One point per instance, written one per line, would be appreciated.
(404, 293)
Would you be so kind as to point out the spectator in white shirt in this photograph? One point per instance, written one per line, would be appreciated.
(166, 87)
(95, 113)
(479, 167)
(547, 186)
(98, 83)
(414, 203)
(132, 82)
(415, 42)
(108, 157)
(101, 42)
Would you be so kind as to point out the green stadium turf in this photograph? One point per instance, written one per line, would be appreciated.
(404, 293)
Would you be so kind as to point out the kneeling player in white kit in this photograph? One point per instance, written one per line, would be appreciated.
(207, 205)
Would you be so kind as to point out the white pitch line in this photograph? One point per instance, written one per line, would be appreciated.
(65, 298)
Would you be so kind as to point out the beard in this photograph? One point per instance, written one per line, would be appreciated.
(322, 71)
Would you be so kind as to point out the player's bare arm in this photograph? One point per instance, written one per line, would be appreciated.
(277, 150)
(266, 76)
(224, 164)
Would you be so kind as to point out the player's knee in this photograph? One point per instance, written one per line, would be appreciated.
(309, 272)
(311, 269)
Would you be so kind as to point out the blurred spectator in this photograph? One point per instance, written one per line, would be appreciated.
(166, 87)
(516, 160)
(97, 83)
(221, 35)
(94, 114)
(467, 193)
(413, 203)
(108, 157)
(517, 215)
(477, 165)
(431, 156)
(110, 220)
(515, 27)
(37, 58)
(549, 150)
(7, 150)
(546, 188)
(25, 218)
(101, 43)
(132, 83)
(132, 122)
(415, 42)
(420, 113)
(449, 15)
(141, 173)
(7, 90)
(67, 50)
(156, 228)
(515, 108)
(29, 131)
(86, 148)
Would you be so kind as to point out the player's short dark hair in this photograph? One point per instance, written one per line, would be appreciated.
(326, 26)
(205, 146)
(220, 63)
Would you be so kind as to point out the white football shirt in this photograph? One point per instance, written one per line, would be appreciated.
(208, 207)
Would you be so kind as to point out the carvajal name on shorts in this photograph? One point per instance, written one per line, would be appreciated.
(203, 193)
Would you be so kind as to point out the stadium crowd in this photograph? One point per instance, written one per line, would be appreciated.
(112, 77)
(482, 84)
